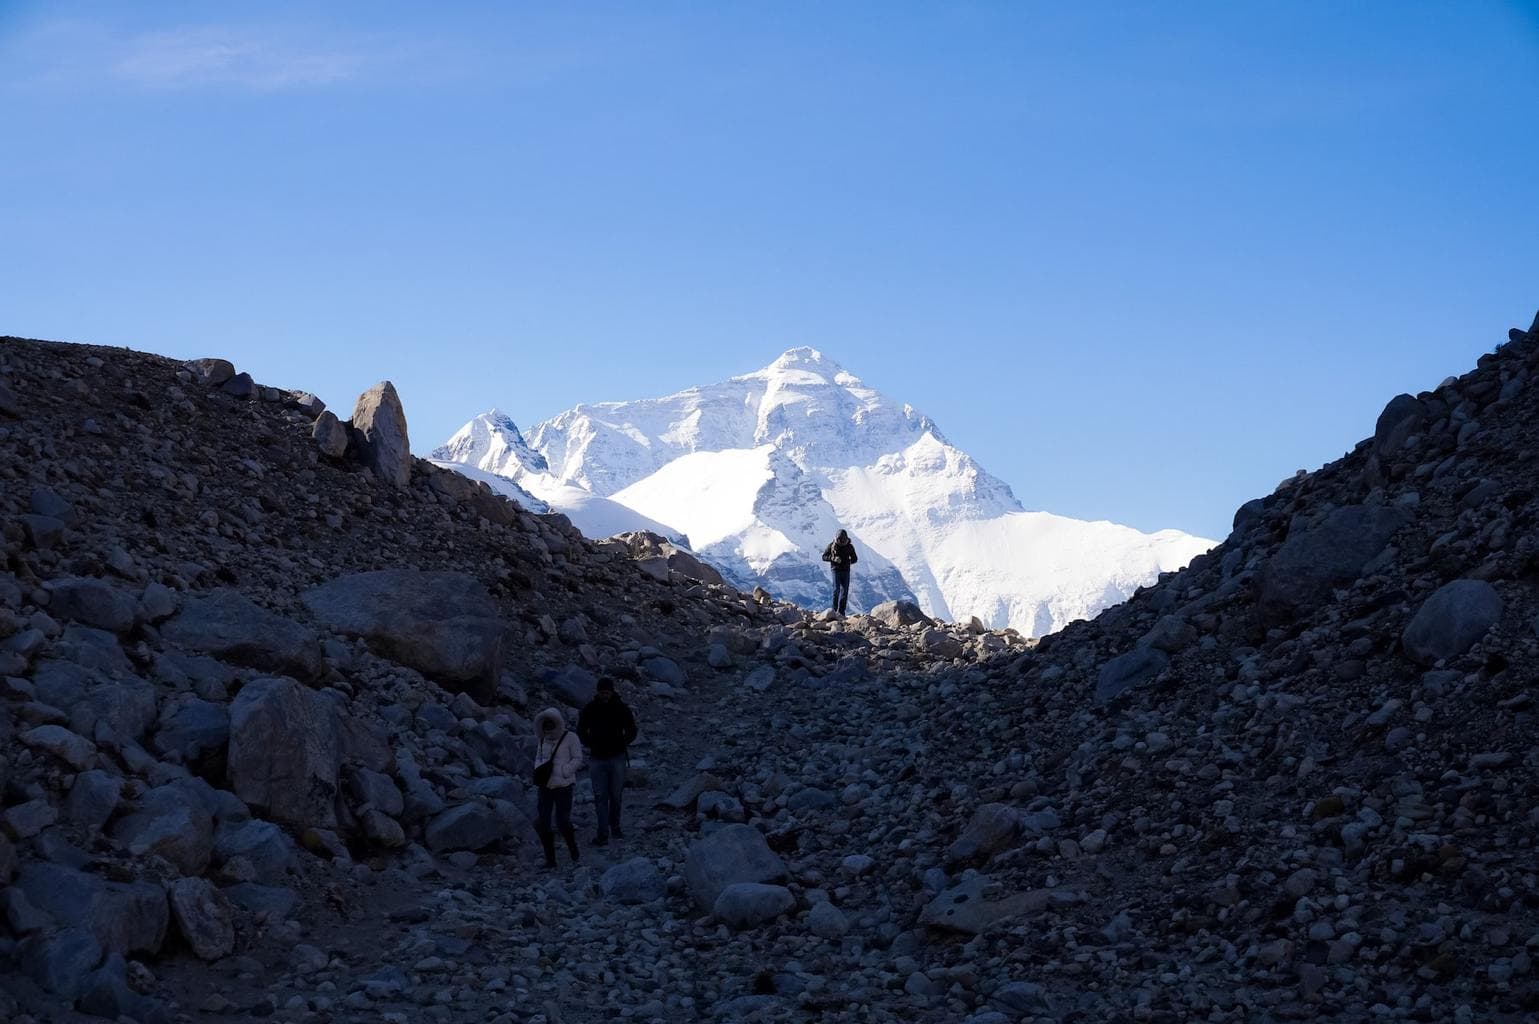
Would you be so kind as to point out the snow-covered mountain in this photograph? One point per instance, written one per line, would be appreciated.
(760, 470)
(491, 448)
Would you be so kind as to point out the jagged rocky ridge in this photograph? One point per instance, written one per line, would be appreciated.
(1294, 781)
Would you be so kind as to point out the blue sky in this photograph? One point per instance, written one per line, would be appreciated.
(1142, 260)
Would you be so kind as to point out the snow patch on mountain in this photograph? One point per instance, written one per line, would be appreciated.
(755, 515)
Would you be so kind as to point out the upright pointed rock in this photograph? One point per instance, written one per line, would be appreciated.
(379, 424)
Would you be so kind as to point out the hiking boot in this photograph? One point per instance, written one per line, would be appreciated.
(548, 841)
(570, 835)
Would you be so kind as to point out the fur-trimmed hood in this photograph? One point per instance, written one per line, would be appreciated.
(548, 715)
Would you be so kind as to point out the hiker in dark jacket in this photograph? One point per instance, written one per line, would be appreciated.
(841, 555)
(607, 727)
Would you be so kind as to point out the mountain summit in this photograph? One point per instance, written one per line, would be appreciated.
(760, 470)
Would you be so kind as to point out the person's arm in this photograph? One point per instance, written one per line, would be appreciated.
(853, 556)
(630, 727)
(585, 728)
(572, 762)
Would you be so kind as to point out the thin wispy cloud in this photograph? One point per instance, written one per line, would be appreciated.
(81, 54)
(243, 59)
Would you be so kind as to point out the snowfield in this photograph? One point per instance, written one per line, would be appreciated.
(760, 471)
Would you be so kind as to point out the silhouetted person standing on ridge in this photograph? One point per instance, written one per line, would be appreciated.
(841, 555)
(607, 726)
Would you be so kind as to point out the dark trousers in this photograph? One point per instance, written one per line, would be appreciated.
(608, 775)
(841, 589)
(559, 801)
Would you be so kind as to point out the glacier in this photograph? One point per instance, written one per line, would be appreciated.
(756, 473)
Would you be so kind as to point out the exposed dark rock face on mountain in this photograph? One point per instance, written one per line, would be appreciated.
(265, 745)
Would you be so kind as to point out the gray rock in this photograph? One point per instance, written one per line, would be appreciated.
(45, 501)
(733, 853)
(73, 749)
(170, 821)
(900, 613)
(1314, 560)
(1452, 620)
(43, 532)
(108, 994)
(127, 708)
(379, 423)
(760, 679)
(1400, 418)
(271, 903)
(62, 962)
(377, 790)
(228, 625)
(330, 435)
(633, 882)
(967, 907)
(239, 386)
(993, 827)
(124, 917)
(191, 728)
(827, 921)
(749, 904)
(92, 799)
(717, 656)
(471, 826)
(211, 372)
(22, 916)
(663, 670)
(261, 844)
(158, 602)
(940, 643)
(9, 405)
(810, 798)
(25, 820)
(94, 602)
(1020, 998)
(285, 752)
(1135, 668)
(443, 624)
(203, 917)
(573, 686)
(309, 404)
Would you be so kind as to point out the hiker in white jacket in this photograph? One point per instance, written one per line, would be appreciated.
(557, 760)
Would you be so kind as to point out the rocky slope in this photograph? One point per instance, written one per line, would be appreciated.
(761, 470)
(253, 768)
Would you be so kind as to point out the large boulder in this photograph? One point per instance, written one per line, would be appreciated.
(443, 624)
(1331, 553)
(748, 904)
(285, 752)
(261, 846)
(126, 707)
(1400, 418)
(192, 728)
(994, 826)
(632, 882)
(1451, 621)
(379, 425)
(124, 917)
(1135, 668)
(172, 822)
(94, 602)
(228, 625)
(736, 853)
(470, 826)
(900, 613)
(203, 916)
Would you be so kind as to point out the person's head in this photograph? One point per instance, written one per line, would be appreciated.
(550, 726)
(843, 538)
(606, 689)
